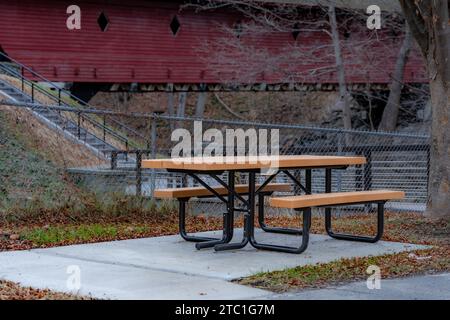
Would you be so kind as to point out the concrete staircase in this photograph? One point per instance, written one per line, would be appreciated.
(68, 126)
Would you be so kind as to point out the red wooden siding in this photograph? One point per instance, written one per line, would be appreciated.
(138, 45)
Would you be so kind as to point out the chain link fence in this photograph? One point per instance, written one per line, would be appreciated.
(394, 161)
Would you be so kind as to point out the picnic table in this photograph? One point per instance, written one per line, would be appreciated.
(228, 192)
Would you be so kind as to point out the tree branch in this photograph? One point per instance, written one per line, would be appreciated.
(416, 13)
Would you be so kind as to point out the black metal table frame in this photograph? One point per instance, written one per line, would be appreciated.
(249, 211)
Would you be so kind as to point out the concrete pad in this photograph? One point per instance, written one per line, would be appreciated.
(429, 287)
(109, 281)
(171, 253)
(170, 268)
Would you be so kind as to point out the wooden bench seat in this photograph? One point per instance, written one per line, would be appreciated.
(179, 193)
(338, 198)
(306, 202)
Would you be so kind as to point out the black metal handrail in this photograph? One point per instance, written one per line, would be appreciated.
(57, 98)
(80, 114)
(137, 165)
(60, 102)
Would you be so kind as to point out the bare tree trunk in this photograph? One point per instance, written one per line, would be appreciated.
(227, 108)
(170, 106)
(427, 112)
(343, 93)
(369, 99)
(181, 111)
(439, 182)
(390, 114)
(428, 20)
(200, 107)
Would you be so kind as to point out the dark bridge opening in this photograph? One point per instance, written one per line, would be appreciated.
(3, 56)
(85, 91)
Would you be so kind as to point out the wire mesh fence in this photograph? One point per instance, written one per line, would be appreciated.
(394, 161)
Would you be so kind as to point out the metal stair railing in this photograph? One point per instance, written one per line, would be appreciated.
(80, 116)
(79, 103)
(63, 122)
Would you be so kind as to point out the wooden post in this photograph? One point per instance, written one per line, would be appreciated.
(153, 154)
(170, 104)
(201, 101)
(138, 173)
(113, 160)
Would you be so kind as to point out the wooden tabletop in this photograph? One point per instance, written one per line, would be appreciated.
(246, 163)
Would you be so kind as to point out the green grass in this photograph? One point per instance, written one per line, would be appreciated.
(74, 234)
(33, 189)
(346, 270)
(403, 227)
(53, 235)
(25, 175)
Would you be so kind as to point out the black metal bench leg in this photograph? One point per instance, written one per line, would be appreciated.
(226, 237)
(239, 245)
(262, 223)
(182, 224)
(248, 216)
(339, 236)
(228, 220)
(305, 238)
(261, 220)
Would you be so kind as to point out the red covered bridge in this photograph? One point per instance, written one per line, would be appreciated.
(154, 43)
